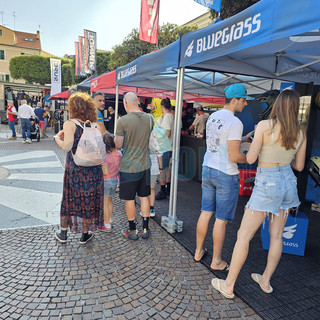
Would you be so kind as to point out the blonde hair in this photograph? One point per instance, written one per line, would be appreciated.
(81, 106)
(285, 111)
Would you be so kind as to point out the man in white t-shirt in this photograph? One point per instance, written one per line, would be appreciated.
(25, 112)
(220, 174)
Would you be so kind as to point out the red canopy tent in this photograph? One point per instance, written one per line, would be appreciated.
(60, 96)
(106, 83)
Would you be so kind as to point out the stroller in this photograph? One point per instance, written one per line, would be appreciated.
(35, 130)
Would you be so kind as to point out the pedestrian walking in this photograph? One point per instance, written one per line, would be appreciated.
(25, 112)
(82, 200)
(12, 117)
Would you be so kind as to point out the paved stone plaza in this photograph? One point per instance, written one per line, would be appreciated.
(110, 277)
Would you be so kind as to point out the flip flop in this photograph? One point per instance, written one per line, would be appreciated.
(205, 251)
(224, 269)
(218, 288)
(256, 278)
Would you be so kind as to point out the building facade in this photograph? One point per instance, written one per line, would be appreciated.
(16, 43)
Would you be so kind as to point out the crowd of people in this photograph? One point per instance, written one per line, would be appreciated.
(25, 116)
(278, 145)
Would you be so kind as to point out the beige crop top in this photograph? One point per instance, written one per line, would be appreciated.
(274, 153)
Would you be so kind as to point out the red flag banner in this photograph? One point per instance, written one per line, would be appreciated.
(149, 21)
(77, 60)
(82, 56)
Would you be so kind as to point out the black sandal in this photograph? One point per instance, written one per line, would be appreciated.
(205, 251)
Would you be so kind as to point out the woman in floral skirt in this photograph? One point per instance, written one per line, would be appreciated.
(82, 200)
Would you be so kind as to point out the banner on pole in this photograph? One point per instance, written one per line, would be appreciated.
(55, 66)
(77, 60)
(212, 4)
(90, 39)
(149, 21)
(82, 56)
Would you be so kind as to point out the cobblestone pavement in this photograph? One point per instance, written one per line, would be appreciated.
(109, 278)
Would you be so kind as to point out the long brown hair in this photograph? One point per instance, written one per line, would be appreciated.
(285, 111)
(81, 106)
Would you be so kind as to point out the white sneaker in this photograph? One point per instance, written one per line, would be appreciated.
(315, 207)
(24, 141)
(152, 213)
(28, 141)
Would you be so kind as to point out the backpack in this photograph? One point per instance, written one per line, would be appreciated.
(91, 150)
(159, 141)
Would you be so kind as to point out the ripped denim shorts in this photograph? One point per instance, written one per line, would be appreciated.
(275, 188)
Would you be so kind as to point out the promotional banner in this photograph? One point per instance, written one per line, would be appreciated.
(212, 4)
(149, 21)
(77, 60)
(90, 39)
(55, 66)
(82, 56)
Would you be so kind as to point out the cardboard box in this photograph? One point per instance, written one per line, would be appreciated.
(294, 234)
(246, 188)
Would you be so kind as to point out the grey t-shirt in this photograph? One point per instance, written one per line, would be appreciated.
(135, 127)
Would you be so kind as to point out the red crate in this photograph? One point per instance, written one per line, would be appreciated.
(246, 188)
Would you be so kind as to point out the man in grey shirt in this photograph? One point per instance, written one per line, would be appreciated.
(133, 132)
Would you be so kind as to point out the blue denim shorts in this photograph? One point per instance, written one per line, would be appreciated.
(110, 186)
(275, 188)
(220, 193)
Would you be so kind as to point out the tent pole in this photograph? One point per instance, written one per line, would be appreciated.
(176, 145)
(116, 109)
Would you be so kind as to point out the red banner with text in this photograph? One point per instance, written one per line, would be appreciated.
(149, 21)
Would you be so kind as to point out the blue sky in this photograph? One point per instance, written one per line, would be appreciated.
(62, 21)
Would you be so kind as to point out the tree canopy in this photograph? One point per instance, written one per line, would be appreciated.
(36, 69)
(132, 48)
(232, 7)
(103, 58)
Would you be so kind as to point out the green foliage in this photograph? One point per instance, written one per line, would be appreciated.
(33, 68)
(231, 7)
(132, 48)
(103, 58)
(36, 69)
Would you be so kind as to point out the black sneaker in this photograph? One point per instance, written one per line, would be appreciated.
(161, 195)
(145, 233)
(130, 234)
(86, 237)
(61, 236)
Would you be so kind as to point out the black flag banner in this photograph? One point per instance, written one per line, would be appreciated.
(90, 39)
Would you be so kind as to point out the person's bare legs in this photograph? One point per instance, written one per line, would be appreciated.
(131, 209)
(145, 206)
(108, 208)
(250, 223)
(218, 236)
(152, 197)
(202, 229)
(276, 226)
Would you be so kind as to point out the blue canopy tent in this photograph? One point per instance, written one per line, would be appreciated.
(271, 39)
(276, 39)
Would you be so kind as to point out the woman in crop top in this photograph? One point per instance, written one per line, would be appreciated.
(278, 144)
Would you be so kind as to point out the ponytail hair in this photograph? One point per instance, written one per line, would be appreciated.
(109, 142)
(166, 103)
